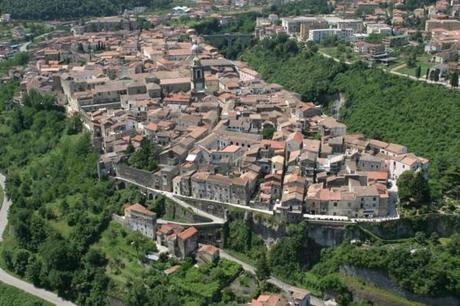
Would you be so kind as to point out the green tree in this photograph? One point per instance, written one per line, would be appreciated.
(418, 72)
(159, 206)
(404, 184)
(268, 131)
(454, 79)
(411, 60)
(420, 190)
(413, 189)
(420, 238)
(146, 157)
(262, 268)
(331, 284)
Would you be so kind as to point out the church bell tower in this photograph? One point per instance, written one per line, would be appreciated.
(197, 81)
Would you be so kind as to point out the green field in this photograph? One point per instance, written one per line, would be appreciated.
(11, 296)
(423, 61)
(348, 55)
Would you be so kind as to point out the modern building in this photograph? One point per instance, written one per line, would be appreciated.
(318, 35)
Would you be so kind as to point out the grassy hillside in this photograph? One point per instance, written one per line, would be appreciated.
(12, 296)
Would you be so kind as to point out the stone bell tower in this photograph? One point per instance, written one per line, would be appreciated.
(197, 72)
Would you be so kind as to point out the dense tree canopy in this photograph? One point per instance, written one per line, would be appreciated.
(301, 7)
(413, 189)
(70, 9)
(146, 157)
(51, 180)
(239, 24)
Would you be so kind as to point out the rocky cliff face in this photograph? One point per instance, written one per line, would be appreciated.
(444, 225)
(324, 235)
(331, 235)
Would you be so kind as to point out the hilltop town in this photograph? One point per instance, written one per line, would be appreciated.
(176, 123)
(223, 134)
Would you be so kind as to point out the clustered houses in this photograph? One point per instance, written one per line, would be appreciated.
(209, 117)
(295, 297)
(180, 242)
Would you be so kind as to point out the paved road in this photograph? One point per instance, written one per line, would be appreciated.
(16, 282)
(29, 288)
(5, 207)
(172, 196)
(24, 46)
(272, 280)
(178, 198)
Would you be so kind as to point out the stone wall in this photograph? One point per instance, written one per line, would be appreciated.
(139, 176)
(212, 208)
(178, 213)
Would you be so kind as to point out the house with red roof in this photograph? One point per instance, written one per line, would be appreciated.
(139, 218)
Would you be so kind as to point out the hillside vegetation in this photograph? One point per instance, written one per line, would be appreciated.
(71, 9)
(60, 236)
(423, 117)
(12, 296)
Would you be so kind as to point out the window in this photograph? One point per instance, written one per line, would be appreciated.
(335, 204)
(375, 199)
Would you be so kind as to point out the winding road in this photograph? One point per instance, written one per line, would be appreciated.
(14, 281)
(272, 280)
(171, 196)
(392, 71)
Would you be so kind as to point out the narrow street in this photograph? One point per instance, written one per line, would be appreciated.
(14, 281)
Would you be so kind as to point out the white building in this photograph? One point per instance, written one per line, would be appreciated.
(317, 35)
(378, 28)
(139, 218)
(339, 23)
(407, 162)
